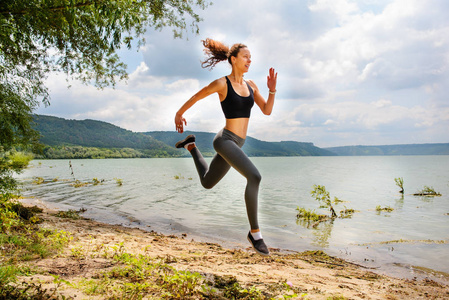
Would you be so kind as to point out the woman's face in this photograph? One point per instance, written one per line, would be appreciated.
(243, 60)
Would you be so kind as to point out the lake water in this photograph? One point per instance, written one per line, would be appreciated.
(165, 195)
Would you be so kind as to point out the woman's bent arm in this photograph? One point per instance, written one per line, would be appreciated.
(266, 106)
(214, 87)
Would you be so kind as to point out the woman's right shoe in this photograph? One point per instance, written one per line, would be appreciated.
(258, 245)
(189, 139)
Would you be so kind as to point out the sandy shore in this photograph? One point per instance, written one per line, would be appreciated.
(312, 275)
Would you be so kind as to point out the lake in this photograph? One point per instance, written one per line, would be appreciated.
(165, 195)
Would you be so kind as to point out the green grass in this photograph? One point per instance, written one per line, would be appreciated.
(22, 240)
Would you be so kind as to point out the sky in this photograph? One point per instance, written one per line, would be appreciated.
(366, 72)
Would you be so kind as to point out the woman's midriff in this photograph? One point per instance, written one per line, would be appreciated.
(238, 126)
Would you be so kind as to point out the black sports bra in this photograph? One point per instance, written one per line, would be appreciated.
(235, 106)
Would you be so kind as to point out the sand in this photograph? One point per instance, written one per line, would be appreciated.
(312, 275)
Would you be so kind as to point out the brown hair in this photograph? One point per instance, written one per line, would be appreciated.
(217, 51)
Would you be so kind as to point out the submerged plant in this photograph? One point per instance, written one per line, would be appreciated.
(78, 183)
(346, 213)
(95, 181)
(38, 180)
(323, 197)
(179, 176)
(427, 191)
(309, 217)
(386, 209)
(400, 183)
(71, 214)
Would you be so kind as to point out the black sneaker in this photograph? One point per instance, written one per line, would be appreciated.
(187, 140)
(258, 245)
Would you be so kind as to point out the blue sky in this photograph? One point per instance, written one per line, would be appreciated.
(367, 72)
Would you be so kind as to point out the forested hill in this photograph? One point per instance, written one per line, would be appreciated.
(96, 139)
(89, 133)
(411, 149)
(252, 147)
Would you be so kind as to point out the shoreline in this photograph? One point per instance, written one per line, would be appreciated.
(402, 270)
(313, 273)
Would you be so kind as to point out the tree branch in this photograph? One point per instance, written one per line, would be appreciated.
(56, 8)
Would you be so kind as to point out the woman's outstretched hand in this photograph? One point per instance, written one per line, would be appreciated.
(180, 122)
(272, 79)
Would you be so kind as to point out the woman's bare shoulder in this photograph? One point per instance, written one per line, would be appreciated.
(252, 84)
(220, 81)
(218, 84)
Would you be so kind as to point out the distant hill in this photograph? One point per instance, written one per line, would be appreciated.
(96, 139)
(65, 139)
(411, 149)
(252, 147)
(91, 133)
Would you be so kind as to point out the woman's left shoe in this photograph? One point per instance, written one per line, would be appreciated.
(189, 139)
(258, 245)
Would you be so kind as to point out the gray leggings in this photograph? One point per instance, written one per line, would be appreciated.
(228, 144)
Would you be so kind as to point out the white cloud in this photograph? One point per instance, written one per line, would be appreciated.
(350, 72)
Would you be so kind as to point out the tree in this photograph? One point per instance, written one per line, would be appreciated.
(79, 38)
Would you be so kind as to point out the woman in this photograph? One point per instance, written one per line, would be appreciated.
(237, 96)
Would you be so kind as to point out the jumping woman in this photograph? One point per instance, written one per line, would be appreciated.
(237, 97)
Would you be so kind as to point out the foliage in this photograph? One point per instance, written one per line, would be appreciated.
(386, 209)
(30, 242)
(72, 139)
(77, 38)
(80, 152)
(139, 276)
(133, 276)
(22, 240)
(58, 132)
(15, 110)
(252, 147)
(142, 276)
(346, 213)
(11, 162)
(27, 291)
(400, 183)
(96, 139)
(8, 217)
(77, 183)
(427, 191)
(71, 214)
(237, 292)
(308, 218)
(119, 181)
(322, 196)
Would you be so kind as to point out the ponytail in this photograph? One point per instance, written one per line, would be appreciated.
(217, 52)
